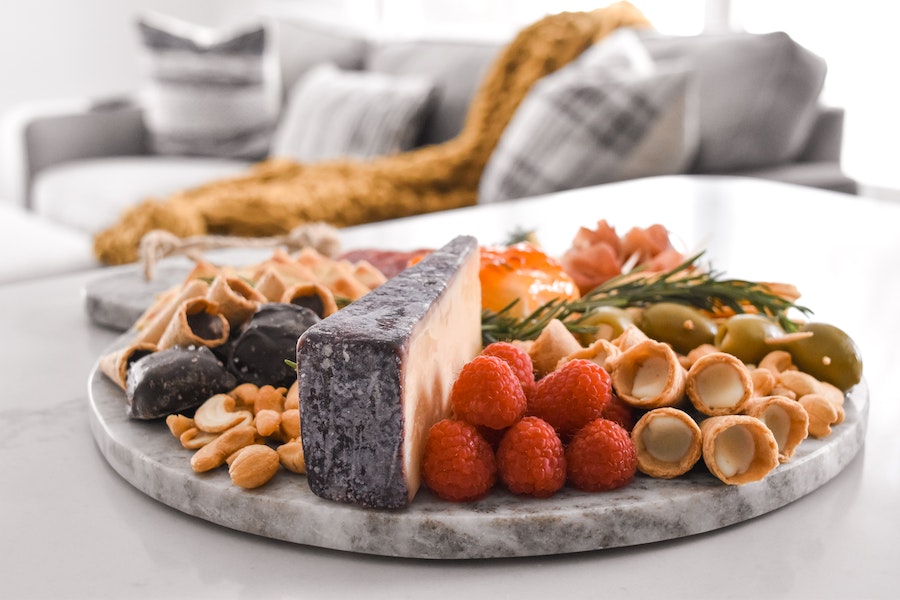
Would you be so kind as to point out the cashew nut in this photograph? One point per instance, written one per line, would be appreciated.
(217, 414)
(253, 466)
(214, 453)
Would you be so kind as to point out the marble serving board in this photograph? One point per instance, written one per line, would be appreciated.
(501, 525)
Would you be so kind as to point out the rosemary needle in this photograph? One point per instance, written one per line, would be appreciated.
(684, 284)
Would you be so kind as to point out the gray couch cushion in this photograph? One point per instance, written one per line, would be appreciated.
(757, 95)
(304, 44)
(456, 68)
(90, 195)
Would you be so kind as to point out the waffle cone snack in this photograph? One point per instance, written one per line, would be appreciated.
(237, 300)
(719, 384)
(667, 441)
(786, 418)
(738, 449)
(648, 375)
(197, 322)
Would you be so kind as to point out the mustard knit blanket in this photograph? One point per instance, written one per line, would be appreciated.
(276, 195)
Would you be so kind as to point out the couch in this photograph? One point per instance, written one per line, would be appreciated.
(755, 111)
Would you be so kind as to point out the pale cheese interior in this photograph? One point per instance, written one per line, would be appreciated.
(446, 338)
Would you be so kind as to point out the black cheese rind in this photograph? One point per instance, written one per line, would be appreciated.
(353, 368)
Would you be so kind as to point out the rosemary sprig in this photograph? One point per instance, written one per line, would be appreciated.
(685, 284)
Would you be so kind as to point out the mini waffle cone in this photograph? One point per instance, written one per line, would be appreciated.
(653, 466)
(195, 288)
(553, 344)
(798, 429)
(179, 331)
(303, 290)
(601, 352)
(115, 364)
(765, 449)
(237, 299)
(718, 359)
(631, 360)
(271, 285)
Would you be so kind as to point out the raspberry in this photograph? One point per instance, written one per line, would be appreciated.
(488, 393)
(458, 463)
(518, 359)
(531, 459)
(619, 411)
(571, 396)
(601, 457)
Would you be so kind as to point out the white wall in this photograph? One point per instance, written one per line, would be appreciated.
(63, 48)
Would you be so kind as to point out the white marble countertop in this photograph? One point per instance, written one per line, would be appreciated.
(73, 528)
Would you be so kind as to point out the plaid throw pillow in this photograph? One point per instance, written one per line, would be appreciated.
(605, 117)
(209, 93)
(334, 113)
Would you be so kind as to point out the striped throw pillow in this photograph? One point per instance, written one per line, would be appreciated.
(209, 93)
(610, 115)
(333, 113)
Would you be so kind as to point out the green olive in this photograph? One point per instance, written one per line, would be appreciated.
(828, 355)
(745, 335)
(682, 327)
(609, 322)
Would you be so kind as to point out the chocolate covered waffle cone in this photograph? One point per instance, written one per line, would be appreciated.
(197, 322)
(155, 328)
(115, 364)
(237, 300)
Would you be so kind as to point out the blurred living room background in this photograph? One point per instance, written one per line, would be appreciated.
(60, 49)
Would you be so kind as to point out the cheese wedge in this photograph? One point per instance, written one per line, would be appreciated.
(376, 375)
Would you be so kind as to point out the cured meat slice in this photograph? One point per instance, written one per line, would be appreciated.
(374, 377)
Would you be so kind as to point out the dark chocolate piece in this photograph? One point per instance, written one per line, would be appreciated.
(267, 340)
(174, 380)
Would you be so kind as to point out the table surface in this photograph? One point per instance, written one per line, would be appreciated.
(73, 528)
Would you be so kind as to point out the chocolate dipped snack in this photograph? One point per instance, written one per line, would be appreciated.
(266, 341)
(174, 380)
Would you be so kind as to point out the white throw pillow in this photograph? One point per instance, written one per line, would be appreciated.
(209, 93)
(611, 114)
(333, 113)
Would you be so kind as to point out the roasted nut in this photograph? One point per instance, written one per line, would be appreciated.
(290, 424)
(776, 362)
(269, 398)
(217, 414)
(253, 466)
(292, 398)
(244, 396)
(194, 439)
(763, 382)
(268, 422)
(214, 453)
(822, 414)
(178, 424)
(291, 456)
